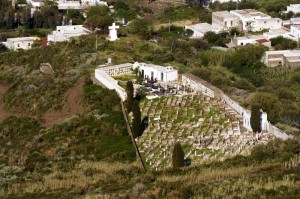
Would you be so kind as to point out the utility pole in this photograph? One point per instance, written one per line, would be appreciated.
(169, 26)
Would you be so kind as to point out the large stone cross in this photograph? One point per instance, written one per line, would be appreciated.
(113, 32)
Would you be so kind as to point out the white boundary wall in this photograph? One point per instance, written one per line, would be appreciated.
(206, 88)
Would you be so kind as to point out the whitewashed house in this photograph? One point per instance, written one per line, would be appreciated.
(93, 3)
(262, 24)
(284, 58)
(282, 32)
(295, 31)
(62, 4)
(64, 33)
(24, 43)
(295, 8)
(201, 28)
(291, 21)
(225, 19)
(250, 39)
(248, 19)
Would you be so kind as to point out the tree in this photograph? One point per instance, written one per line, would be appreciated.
(137, 119)
(141, 27)
(178, 156)
(255, 118)
(129, 92)
(98, 17)
(281, 43)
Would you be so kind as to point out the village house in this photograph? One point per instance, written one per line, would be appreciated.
(200, 29)
(24, 43)
(291, 21)
(295, 8)
(250, 39)
(284, 58)
(62, 4)
(295, 31)
(282, 32)
(253, 20)
(225, 19)
(64, 33)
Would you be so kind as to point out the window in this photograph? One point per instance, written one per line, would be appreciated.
(162, 76)
(231, 23)
(29, 44)
(265, 21)
(152, 75)
(242, 44)
(18, 45)
(225, 23)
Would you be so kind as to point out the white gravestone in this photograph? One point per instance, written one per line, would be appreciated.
(113, 32)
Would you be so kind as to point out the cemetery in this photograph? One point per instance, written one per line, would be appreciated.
(207, 129)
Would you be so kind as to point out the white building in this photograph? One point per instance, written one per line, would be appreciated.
(20, 43)
(201, 28)
(284, 58)
(250, 39)
(159, 73)
(282, 32)
(295, 31)
(248, 19)
(154, 72)
(62, 4)
(224, 1)
(291, 21)
(262, 24)
(295, 8)
(64, 33)
(93, 3)
(225, 19)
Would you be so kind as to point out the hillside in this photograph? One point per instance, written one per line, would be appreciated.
(62, 136)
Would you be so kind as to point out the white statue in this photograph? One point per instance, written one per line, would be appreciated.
(113, 32)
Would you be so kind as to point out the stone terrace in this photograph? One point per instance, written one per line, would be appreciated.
(205, 127)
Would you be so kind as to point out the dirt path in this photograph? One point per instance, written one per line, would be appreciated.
(72, 105)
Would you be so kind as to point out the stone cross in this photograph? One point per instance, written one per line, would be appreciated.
(113, 32)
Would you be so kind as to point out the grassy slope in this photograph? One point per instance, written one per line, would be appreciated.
(78, 158)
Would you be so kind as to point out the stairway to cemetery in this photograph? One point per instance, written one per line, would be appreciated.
(206, 128)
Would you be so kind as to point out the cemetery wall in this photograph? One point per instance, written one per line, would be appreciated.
(206, 88)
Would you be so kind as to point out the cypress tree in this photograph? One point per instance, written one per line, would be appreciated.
(255, 118)
(129, 92)
(136, 122)
(178, 156)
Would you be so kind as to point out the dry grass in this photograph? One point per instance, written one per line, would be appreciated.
(212, 175)
(84, 174)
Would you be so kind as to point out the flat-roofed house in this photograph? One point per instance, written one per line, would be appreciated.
(295, 31)
(284, 58)
(295, 8)
(225, 19)
(248, 17)
(262, 24)
(250, 39)
(200, 29)
(24, 43)
(64, 33)
(282, 32)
